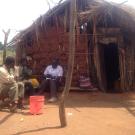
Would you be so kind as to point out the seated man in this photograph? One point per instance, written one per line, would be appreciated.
(11, 91)
(52, 76)
(25, 73)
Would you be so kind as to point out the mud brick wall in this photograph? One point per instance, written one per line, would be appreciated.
(55, 43)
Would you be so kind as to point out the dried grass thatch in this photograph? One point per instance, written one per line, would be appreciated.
(125, 15)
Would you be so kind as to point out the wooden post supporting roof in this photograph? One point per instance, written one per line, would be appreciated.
(6, 34)
(70, 63)
(101, 82)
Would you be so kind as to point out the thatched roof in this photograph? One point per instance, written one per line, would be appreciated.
(124, 14)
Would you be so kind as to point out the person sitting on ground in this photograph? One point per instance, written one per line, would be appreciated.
(11, 91)
(52, 76)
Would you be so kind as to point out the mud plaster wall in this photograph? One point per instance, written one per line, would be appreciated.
(54, 42)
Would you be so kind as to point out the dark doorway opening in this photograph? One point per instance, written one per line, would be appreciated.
(111, 65)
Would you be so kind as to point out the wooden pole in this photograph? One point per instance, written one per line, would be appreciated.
(60, 1)
(6, 34)
(37, 34)
(101, 83)
(65, 93)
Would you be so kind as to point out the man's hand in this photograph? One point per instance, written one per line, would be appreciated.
(59, 78)
(48, 76)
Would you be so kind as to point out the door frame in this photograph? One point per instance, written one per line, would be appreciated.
(101, 78)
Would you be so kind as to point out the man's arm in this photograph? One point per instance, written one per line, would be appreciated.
(60, 73)
(5, 77)
(46, 73)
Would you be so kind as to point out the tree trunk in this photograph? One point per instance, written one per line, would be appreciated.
(62, 114)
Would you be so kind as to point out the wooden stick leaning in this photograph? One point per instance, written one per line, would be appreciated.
(65, 93)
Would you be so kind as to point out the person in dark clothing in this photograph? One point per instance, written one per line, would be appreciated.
(25, 75)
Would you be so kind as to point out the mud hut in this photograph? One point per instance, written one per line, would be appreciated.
(105, 41)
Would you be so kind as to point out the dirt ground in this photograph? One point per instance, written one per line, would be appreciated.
(88, 113)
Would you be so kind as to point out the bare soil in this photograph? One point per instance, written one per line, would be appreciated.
(88, 113)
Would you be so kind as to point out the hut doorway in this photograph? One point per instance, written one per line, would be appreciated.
(110, 66)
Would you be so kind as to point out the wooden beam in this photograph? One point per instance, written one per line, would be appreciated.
(6, 34)
(86, 12)
(60, 1)
(65, 19)
(97, 55)
(37, 34)
(70, 63)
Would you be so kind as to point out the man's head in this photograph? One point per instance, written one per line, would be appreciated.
(55, 63)
(9, 62)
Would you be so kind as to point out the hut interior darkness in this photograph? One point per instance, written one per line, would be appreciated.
(105, 49)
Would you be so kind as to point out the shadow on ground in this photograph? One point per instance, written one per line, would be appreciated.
(6, 118)
(102, 100)
(36, 130)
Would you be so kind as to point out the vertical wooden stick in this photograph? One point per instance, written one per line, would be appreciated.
(65, 20)
(62, 114)
(37, 34)
(6, 34)
(97, 56)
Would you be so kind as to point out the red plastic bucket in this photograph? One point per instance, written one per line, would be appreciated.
(36, 104)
